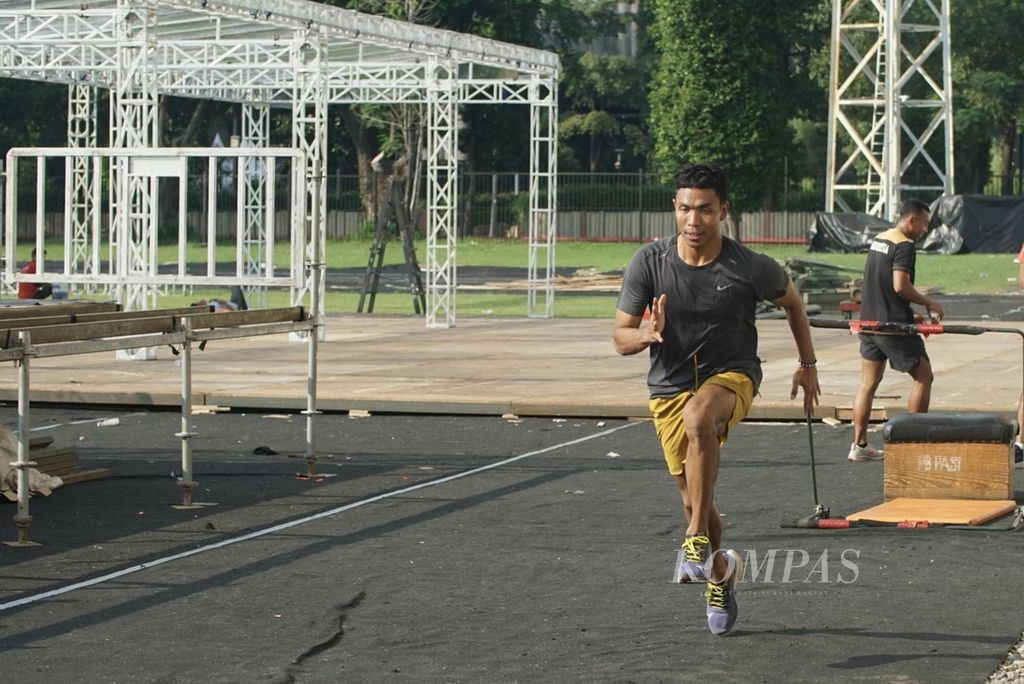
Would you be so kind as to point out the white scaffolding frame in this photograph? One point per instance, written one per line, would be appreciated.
(442, 196)
(257, 203)
(543, 188)
(890, 112)
(252, 52)
(82, 184)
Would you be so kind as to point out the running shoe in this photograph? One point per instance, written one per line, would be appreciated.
(864, 453)
(692, 560)
(721, 596)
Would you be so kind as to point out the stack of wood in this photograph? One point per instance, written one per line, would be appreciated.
(825, 284)
(582, 280)
(57, 461)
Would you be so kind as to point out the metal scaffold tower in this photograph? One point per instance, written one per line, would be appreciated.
(543, 188)
(257, 202)
(442, 196)
(293, 55)
(81, 183)
(890, 105)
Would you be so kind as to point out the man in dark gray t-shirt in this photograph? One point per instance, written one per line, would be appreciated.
(701, 290)
(718, 302)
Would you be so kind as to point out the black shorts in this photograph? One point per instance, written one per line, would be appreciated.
(903, 351)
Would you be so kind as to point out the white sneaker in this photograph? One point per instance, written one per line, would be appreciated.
(864, 453)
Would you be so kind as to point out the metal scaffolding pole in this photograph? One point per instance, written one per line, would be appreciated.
(442, 194)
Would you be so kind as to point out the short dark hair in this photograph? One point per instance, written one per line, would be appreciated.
(703, 177)
(914, 206)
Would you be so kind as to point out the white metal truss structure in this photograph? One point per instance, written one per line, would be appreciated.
(442, 197)
(82, 184)
(136, 199)
(297, 55)
(309, 134)
(257, 202)
(543, 188)
(890, 105)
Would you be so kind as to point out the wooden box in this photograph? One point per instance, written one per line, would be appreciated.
(948, 470)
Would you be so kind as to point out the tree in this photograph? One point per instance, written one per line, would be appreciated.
(492, 136)
(603, 86)
(723, 89)
(38, 117)
(988, 85)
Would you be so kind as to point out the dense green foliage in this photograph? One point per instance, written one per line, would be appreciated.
(988, 84)
(725, 90)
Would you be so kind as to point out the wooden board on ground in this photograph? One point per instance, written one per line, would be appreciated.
(55, 460)
(61, 461)
(85, 475)
(937, 511)
(39, 442)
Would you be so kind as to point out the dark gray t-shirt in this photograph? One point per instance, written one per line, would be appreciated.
(709, 311)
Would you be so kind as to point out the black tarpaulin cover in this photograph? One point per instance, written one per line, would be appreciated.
(851, 232)
(960, 223)
(986, 224)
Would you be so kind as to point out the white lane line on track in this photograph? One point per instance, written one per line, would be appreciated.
(34, 598)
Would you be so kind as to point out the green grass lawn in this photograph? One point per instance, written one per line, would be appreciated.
(951, 274)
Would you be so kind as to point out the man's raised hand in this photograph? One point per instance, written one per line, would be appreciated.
(658, 317)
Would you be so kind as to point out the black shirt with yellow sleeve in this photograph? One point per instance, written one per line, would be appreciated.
(889, 251)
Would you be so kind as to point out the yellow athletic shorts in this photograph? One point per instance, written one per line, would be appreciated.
(668, 416)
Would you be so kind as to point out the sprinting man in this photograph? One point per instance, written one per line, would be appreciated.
(702, 289)
(887, 293)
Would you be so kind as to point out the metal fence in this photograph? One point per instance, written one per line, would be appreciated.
(999, 184)
(591, 206)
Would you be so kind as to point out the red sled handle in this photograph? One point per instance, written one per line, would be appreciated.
(891, 327)
(833, 523)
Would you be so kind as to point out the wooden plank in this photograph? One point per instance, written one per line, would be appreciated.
(948, 470)
(61, 459)
(51, 451)
(96, 317)
(231, 319)
(72, 332)
(56, 461)
(39, 442)
(936, 511)
(129, 315)
(10, 313)
(39, 321)
(58, 458)
(58, 469)
(92, 325)
(85, 475)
